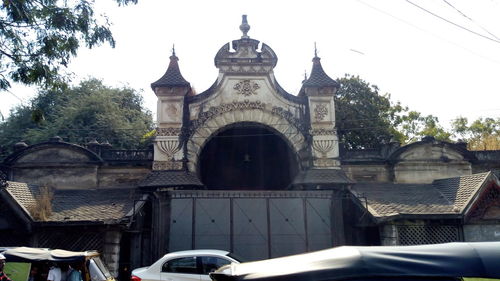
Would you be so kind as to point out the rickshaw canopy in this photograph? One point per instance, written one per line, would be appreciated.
(450, 260)
(27, 254)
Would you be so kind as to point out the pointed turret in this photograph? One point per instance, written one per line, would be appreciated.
(173, 77)
(318, 76)
(318, 80)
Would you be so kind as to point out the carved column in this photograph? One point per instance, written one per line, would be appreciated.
(168, 152)
(325, 143)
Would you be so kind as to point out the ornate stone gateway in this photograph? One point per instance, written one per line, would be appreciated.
(247, 141)
(246, 95)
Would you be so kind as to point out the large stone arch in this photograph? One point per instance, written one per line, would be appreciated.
(277, 119)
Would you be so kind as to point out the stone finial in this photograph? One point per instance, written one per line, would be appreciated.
(244, 27)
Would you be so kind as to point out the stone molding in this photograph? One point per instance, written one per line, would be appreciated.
(167, 165)
(170, 131)
(210, 122)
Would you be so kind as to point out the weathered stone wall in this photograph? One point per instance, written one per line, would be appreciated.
(481, 232)
(120, 177)
(58, 177)
(428, 171)
(368, 172)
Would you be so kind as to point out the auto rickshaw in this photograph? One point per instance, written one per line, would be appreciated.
(30, 264)
(438, 262)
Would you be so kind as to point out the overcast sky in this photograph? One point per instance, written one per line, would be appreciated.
(424, 62)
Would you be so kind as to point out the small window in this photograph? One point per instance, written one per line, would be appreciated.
(181, 265)
(210, 264)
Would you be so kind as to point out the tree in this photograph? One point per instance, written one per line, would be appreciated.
(366, 119)
(38, 37)
(481, 134)
(363, 116)
(80, 114)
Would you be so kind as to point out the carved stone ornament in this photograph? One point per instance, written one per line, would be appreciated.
(323, 146)
(246, 88)
(323, 132)
(167, 165)
(168, 131)
(169, 147)
(320, 112)
(215, 111)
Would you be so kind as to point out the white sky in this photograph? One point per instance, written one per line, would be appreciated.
(427, 64)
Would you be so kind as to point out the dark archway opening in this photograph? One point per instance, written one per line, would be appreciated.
(247, 157)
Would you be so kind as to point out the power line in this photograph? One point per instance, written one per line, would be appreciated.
(431, 33)
(470, 19)
(452, 23)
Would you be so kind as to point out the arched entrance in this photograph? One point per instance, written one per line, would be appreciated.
(247, 156)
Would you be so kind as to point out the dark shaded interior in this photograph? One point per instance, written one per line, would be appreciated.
(247, 157)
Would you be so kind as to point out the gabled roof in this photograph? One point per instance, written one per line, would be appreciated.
(318, 77)
(445, 197)
(172, 77)
(108, 206)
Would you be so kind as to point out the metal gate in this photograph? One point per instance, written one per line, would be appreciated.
(252, 224)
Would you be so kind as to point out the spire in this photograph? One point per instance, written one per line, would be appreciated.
(173, 76)
(318, 76)
(244, 27)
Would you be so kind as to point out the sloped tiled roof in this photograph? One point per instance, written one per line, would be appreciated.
(321, 176)
(460, 190)
(170, 179)
(442, 197)
(318, 77)
(102, 205)
(172, 77)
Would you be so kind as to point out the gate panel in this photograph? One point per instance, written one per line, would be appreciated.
(250, 228)
(318, 221)
(288, 235)
(212, 224)
(181, 225)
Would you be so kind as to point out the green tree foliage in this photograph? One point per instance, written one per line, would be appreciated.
(37, 37)
(80, 114)
(366, 119)
(363, 116)
(481, 134)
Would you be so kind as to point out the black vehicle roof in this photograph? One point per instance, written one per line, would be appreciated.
(480, 259)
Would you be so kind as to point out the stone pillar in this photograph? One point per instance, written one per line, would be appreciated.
(111, 251)
(325, 142)
(389, 235)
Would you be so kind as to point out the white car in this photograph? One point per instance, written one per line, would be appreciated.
(192, 265)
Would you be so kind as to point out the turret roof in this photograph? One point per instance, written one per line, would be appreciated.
(173, 76)
(318, 77)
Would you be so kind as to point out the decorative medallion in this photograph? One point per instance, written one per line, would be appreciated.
(320, 111)
(246, 88)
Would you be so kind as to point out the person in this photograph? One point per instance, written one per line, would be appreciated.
(3, 276)
(54, 273)
(74, 273)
